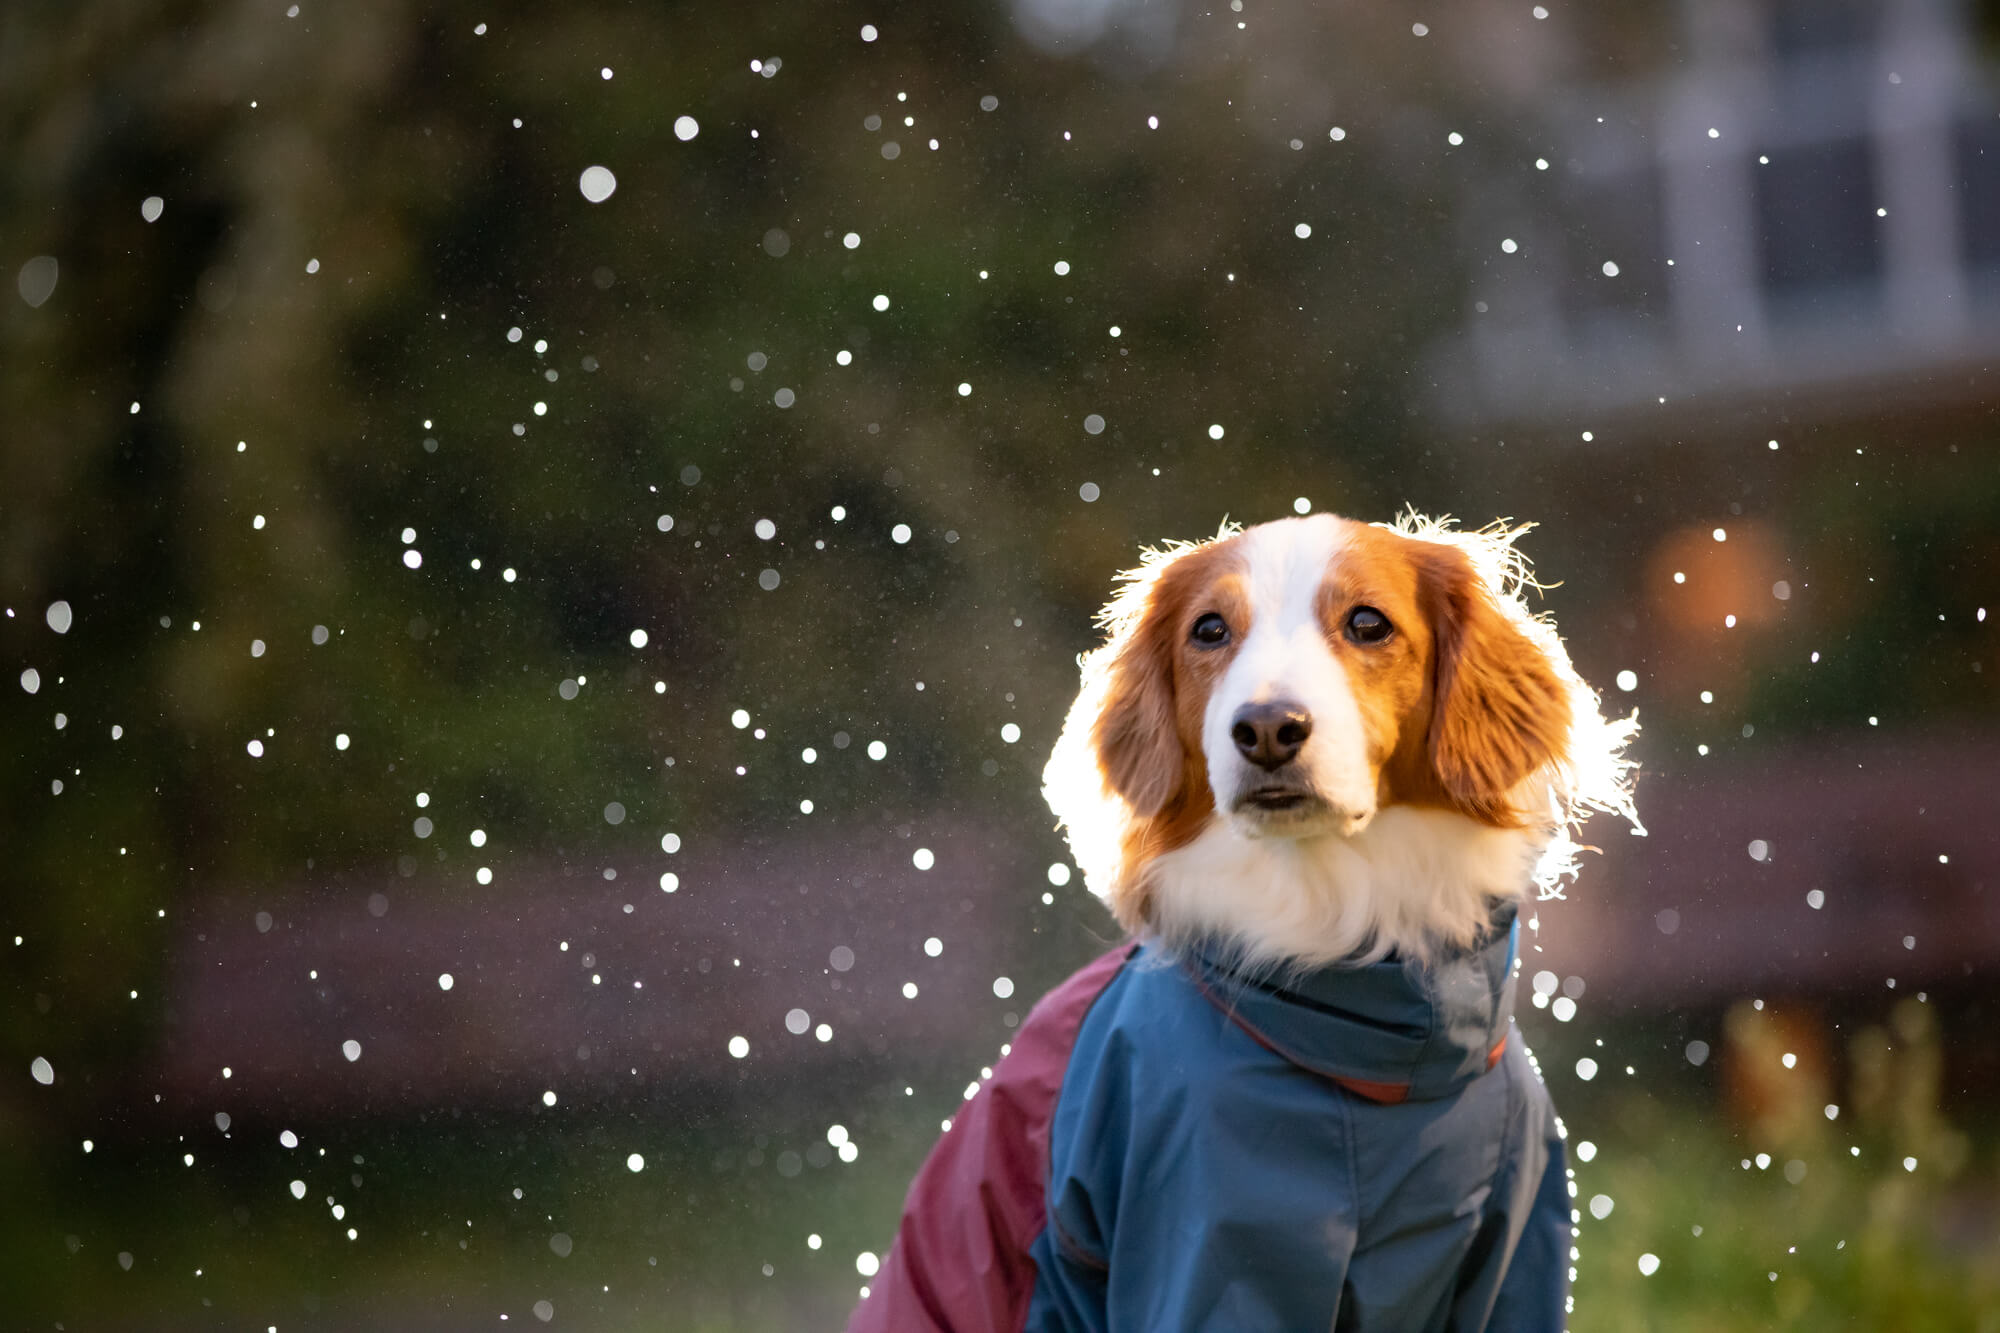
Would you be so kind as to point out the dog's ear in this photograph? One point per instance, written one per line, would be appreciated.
(1498, 710)
(1137, 742)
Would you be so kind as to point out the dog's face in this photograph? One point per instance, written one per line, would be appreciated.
(1313, 656)
(1299, 676)
(1322, 739)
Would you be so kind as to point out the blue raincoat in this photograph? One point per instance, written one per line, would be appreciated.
(1172, 1145)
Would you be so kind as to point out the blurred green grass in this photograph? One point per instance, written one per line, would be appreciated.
(1855, 1243)
(710, 1235)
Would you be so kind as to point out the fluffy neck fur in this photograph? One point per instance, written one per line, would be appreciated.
(1418, 882)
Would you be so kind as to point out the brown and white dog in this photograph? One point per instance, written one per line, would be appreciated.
(1311, 769)
(1320, 739)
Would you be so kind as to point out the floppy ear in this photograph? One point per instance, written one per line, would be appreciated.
(1138, 746)
(1498, 709)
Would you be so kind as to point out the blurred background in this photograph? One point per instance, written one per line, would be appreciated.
(543, 549)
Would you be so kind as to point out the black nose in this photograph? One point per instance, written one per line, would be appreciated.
(1270, 735)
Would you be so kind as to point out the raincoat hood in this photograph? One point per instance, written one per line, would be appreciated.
(1390, 1030)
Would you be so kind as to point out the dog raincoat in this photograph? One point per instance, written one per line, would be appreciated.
(1172, 1145)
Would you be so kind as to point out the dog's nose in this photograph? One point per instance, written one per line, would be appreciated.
(1270, 735)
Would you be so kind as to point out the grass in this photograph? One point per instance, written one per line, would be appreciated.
(1852, 1242)
(711, 1235)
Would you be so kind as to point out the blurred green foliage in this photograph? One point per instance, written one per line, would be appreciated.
(1857, 1241)
(1880, 1217)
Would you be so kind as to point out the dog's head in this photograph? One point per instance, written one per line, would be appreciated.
(1293, 680)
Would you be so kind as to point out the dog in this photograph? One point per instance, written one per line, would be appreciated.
(1314, 770)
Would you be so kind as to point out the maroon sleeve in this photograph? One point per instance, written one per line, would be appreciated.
(960, 1263)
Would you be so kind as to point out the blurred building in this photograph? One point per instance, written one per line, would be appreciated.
(1799, 199)
(1755, 220)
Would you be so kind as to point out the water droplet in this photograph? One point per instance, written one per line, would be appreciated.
(598, 184)
(37, 280)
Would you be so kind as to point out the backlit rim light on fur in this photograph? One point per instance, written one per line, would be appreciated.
(1414, 879)
(1598, 777)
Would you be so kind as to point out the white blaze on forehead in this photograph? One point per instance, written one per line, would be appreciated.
(1285, 564)
(1286, 658)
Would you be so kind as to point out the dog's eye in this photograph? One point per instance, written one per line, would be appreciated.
(1367, 625)
(1210, 630)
